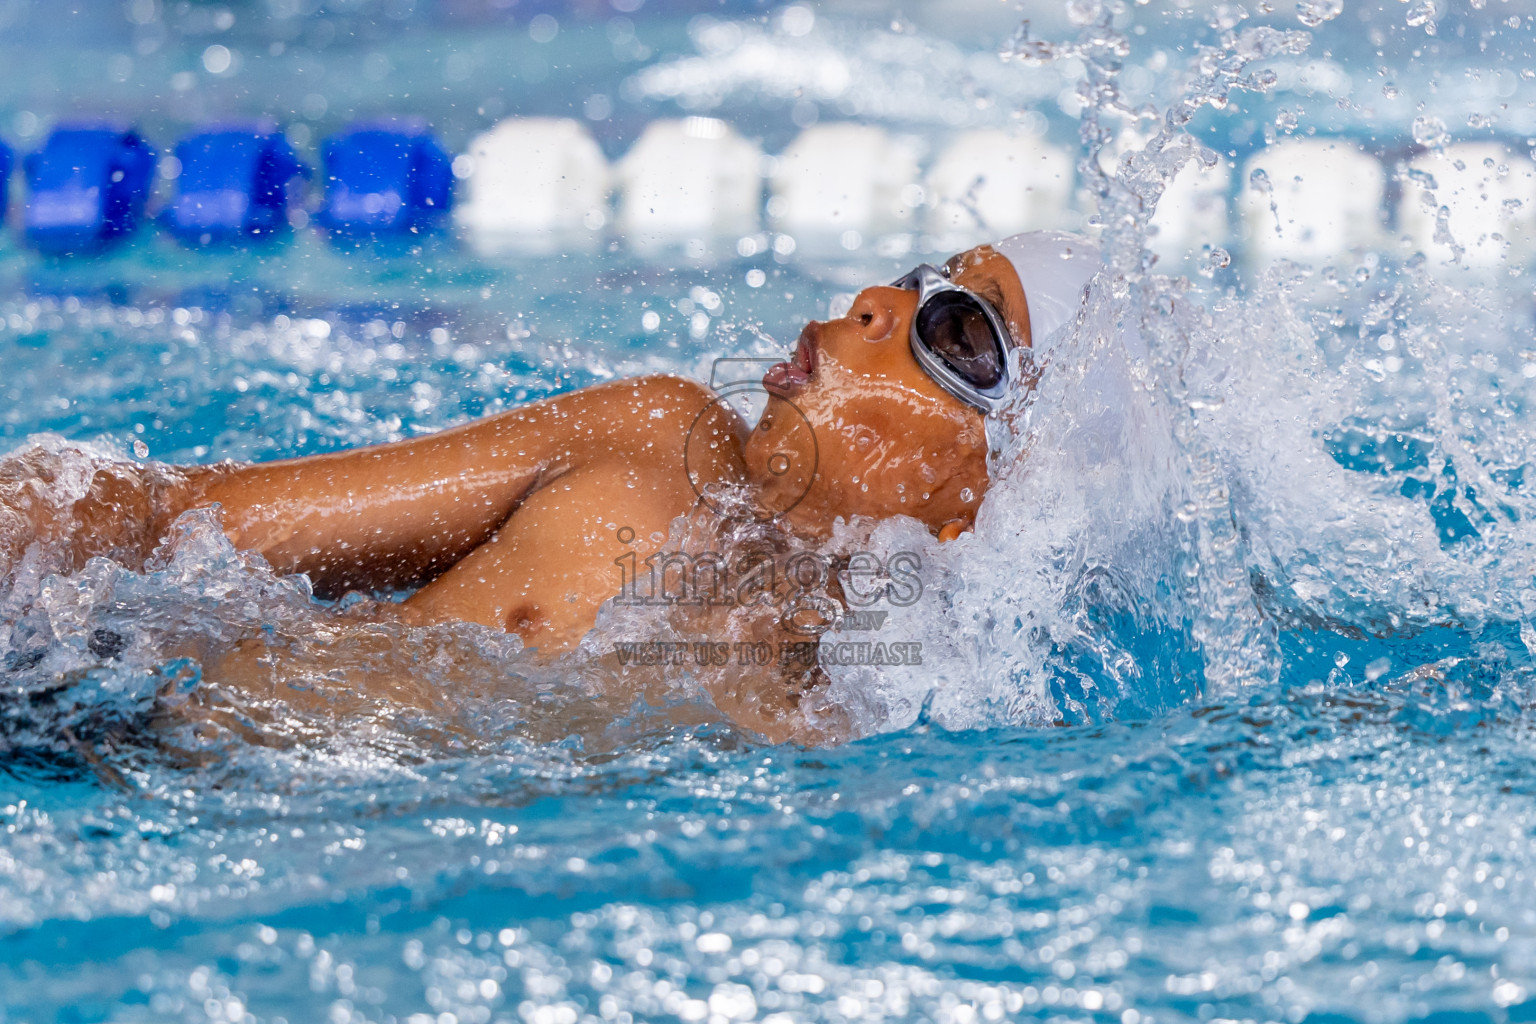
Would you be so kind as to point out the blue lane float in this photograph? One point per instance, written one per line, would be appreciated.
(86, 187)
(234, 184)
(385, 180)
(5, 176)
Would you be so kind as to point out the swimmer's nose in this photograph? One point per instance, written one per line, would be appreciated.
(880, 311)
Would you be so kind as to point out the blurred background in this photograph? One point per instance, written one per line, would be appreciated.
(650, 184)
(859, 128)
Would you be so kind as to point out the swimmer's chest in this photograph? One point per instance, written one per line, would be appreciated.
(569, 547)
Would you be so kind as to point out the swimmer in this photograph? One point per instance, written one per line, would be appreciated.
(518, 521)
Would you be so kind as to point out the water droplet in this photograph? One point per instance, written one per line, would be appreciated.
(140, 449)
(1227, 16)
(1422, 13)
(1217, 259)
(1026, 49)
(217, 59)
(1313, 13)
(1084, 12)
(1429, 131)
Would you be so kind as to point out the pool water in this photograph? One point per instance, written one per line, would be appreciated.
(1224, 709)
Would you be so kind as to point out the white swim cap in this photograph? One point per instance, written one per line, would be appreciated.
(1054, 267)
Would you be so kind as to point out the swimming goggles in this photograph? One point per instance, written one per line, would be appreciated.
(958, 339)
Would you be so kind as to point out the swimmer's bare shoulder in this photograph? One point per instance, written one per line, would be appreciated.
(616, 491)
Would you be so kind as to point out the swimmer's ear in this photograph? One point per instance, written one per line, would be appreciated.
(954, 528)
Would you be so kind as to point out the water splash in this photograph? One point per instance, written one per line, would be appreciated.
(1218, 512)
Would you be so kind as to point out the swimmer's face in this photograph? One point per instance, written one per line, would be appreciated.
(853, 425)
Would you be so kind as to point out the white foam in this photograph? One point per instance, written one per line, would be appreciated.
(533, 180)
(840, 178)
(691, 178)
(1488, 193)
(1324, 198)
(989, 183)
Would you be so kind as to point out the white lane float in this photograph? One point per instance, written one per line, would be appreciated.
(989, 184)
(689, 180)
(533, 182)
(845, 183)
(1310, 200)
(1488, 193)
(1194, 211)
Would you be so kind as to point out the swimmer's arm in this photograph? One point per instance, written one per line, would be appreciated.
(388, 515)
(397, 514)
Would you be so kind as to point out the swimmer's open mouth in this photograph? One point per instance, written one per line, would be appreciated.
(793, 374)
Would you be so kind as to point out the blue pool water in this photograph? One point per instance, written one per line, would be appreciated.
(1225, 705)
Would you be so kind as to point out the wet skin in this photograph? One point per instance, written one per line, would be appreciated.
(855, 412)
(514, 521)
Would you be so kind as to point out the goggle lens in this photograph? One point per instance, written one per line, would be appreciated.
(956, 330)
